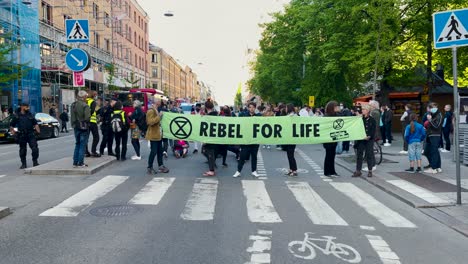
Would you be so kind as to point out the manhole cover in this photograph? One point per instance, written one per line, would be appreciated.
(114, 210)
(286, 170)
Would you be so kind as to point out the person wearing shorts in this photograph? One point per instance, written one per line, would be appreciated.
(414, 136)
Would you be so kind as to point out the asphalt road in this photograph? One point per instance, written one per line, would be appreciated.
(121, 215)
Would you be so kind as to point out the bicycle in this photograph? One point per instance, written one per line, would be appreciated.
(305, 249)
(377, 152)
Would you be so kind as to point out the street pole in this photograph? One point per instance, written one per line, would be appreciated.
(457, 123)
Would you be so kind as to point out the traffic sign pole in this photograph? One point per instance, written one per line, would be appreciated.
(457, 123)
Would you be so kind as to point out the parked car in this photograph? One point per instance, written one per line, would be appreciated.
(50, 127)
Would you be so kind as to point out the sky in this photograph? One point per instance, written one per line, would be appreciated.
(211, 36)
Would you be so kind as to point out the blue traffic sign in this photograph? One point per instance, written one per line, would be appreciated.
(77, 30)
(450, 28)
(77, 60)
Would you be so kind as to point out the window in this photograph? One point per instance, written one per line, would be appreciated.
(154, 58)
(95, 11)
(155, 85)
(108, 48)
(96, 40)
(134, 17)
(129, 36)
(136, 60)
(106, 19)
(65, 17)
(134, 37)
(46, 13)
(154, 73)
(84, 3)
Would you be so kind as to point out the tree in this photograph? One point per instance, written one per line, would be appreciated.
(111, 70)
(238, 98)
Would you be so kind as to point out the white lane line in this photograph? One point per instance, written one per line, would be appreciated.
(317, 209)
(82, 200)
(383, 250)
(1, 176)
(153, 192)
(261, 166)
(201, 204)
(260, 209)
(385, 215)
(260, 248)
(369, 228)
(415, 190)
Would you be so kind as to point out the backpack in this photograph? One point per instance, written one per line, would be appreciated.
(117, 123)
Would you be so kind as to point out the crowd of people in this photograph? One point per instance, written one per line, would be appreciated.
(89, 114)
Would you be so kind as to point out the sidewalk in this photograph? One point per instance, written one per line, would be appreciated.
(433, 194)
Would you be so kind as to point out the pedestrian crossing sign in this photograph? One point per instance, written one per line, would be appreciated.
(450, 28)
(77, 30)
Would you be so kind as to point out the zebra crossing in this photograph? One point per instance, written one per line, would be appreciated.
(202, 201)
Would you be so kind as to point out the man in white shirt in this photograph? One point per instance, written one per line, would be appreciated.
(304, 111)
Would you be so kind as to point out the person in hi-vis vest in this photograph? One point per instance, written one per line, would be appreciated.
(93, 124)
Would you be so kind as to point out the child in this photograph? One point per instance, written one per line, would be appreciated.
(414, 135)
(180, 148)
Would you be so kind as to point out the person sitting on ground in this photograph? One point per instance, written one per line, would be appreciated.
(180, 148)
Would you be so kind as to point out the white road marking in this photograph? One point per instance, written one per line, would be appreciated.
(422, 193)
(83, 199)
(260, 247)
(261, 166)
(1, 176)
(317, 209)
(385, 215)
(314, 166)
(201, 204)
(369, 228)
(260, 209)
(153, 192)
(383, 250)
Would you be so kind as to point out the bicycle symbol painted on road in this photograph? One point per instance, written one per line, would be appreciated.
(305, 249)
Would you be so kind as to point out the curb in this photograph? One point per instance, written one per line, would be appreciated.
(46, 170)
(4, 211)
(396, 192)
(447, 220)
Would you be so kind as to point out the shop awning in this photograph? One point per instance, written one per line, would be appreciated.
(364, 98)
(403, 95)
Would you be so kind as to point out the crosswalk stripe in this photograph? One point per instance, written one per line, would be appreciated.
(202, 201)
(260, 209)
(317, 209)
(83, 199)
(153, 192)
(422, 193)
(385, 215)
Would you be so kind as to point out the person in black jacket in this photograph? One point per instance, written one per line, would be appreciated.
(106, 114)
(434, 132)
(121, 137)
(210, 149)
(64, 119)
(331, 110)
(26, 127)
(367, 144)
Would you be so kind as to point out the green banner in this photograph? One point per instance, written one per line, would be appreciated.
(262, 130)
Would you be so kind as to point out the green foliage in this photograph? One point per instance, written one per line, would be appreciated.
(341, 44)
(111, 70)
(238, 98)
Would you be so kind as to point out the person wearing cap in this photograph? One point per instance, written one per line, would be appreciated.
(93, 126)
(366, 145)
(26, 125)
(80, 116)
(106, 113)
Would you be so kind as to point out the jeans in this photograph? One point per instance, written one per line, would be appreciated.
(81, 140)
(121, 137)
(156, 150)
(403, 129)
(246, 152)
(367, 147)
(433, 148)
(136, 146)
(414, 151)
(388, 132)
(291, 159)
(382, 133)
(329, 163)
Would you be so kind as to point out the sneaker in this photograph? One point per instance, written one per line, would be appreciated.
(369, 174)
(237, 174)
(403, 152)
(439, 170)
(23, 166)
(82, 166)
(410, 169)
(163, 169)
(387, 145)
(263, 146)
(255, 174)
(357, 174)
(209, 174)
(427, 167)
(374, 168)
(35, 163)
(278, 148)
(165, 154)
(268, 147)
(151, 171)
(431, 171)
(95, 155)
(365, 169)
(135, 157)
(195, 151)
(444, 151)
(418, 169)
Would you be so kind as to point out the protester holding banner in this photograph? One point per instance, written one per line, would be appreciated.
(291, 148)
(210, 149)
(331, 110)
(248, 150)
(367, 144)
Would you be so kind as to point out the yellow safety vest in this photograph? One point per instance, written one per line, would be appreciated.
(93, 118)
(121, 112)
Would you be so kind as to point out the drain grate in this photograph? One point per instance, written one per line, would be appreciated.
(285, 170)
(115, 210)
